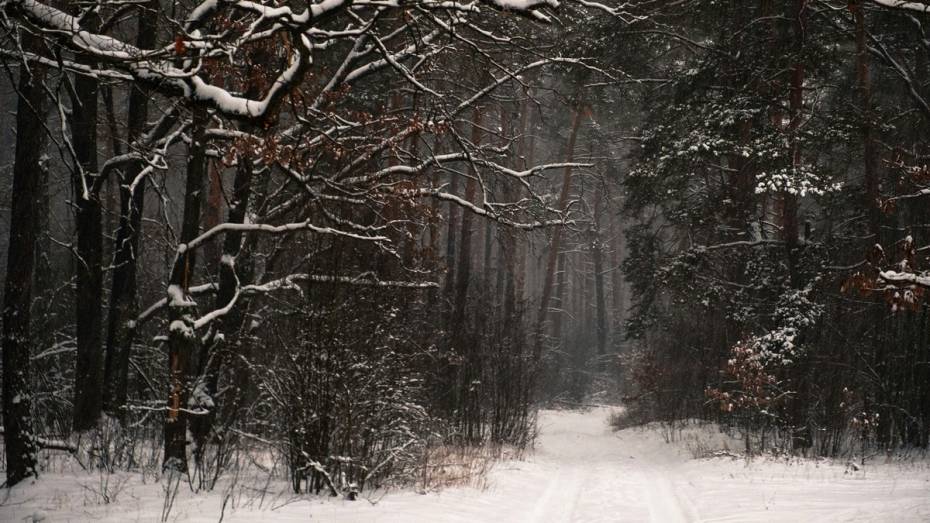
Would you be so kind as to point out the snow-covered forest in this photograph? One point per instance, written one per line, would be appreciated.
(560, 260)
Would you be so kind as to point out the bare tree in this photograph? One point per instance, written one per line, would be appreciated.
(19, 436)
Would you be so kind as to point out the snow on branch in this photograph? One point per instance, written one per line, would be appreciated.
(526, 7)
(730, 245)
(67, 65)
(534, 170)
(900, 4)
(289, 282)
(367, 280)
(272, 229)
(616, 12)
(485, 213)
(159, 67)
(162, 303)
(51, 444)
(157, 70)
(909, 196)
(285, 15)
(907, 278)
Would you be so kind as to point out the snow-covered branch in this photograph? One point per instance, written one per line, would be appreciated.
(905, 278)
(157, 69)
(901, 4)
(271, 229)
(730, 245)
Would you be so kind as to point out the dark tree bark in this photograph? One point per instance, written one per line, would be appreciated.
(560, 287)
(555, 241)
(616, 284)
(88, 379)
(795, 106)
(410, 241)
(509, 245)
(468, 409)
(43, 304)
(213, 213)
(123, 304)
(182, 338)
(230, 274)
(869, 153)
(798, 12)
(526, 157)
(488, 255)
(597, 257)
(463, 272)
(18, 434)
(451, 231)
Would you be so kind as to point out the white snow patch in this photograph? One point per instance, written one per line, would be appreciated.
(182, 328)
(177, 297)
(581, 471)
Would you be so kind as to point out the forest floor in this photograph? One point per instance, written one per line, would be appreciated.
(581, 471)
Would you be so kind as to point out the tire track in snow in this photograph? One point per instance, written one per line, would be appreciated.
(595, 479)
(655, 464)
(560, 498)
(666, 503)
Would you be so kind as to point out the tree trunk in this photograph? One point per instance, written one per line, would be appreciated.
(182, 338)
(869, 155)
(467, 371)
(88, 378)
(803, 434)
(123, 304)
(529, 266)
(230, 276)
(463, 272)
(616, 283)
(19, 431)
(230, 273)
(597, 258)
(213, 213)
(45, 278)
(561, 284)
(451, 231)
(488, 255)
(508, 237)
(556, 239)
(525, 153)
(789, 208)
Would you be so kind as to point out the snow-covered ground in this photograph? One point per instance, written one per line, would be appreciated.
(581, 472)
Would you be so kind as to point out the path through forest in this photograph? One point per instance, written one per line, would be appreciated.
(581, 471)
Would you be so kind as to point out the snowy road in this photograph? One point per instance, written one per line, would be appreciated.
(581, 471)
(600, 480)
